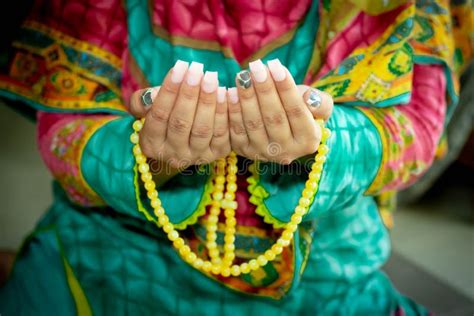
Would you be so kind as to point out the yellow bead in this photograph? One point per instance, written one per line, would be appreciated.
(232, 187)
(229, 230)
(225, 272)
(211, 245)
(191, 257)
(155, 203)
(163, 220)
(317, 167)
(292, 227)
(232, 169)
(229, 238)
(229, 247)
(277, 249)
(323, 149)
(206, 266)
(168, 227)
(229, 212)
(311, 185)
(146, 177)
(299, 210)
(214, 253)
(216, 261)
(320, 122)
(143, 167)
(173, 235)
(229, 196)
(184, 250)
(244, 268)
(231, 222)
(211, 236)
(152, 194)
(137, 125)
(229, 204)
(326, 134)
(229, 256)
(159, 211)
(231, 178)
(150, 185)
(220, 180)
(178, 243)
(235, 270)
(308, 193)
(211, 228)
(314, 176)
(283, 242)
(198, 264)
(137, 150)
(253, 264)
(296, 219)
(214, 211)
(287, 235)
(320, 159)
(140, 158)
(304, 202)
(219, 187)
(217, 196)
(134, 138)
(216, 269)
(261, 260)
(269, 255)
(212, 219)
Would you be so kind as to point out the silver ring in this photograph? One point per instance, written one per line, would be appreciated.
(314, 99)
(146, 97)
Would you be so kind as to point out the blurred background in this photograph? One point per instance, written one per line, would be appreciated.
(433, 233)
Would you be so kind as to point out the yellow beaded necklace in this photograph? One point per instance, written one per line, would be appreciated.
(226, 201)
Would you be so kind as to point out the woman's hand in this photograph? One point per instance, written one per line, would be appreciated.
(269, 118)
(187, 122)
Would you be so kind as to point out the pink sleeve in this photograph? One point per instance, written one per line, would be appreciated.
(410, 133)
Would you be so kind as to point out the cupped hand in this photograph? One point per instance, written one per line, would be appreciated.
(186, 122)
(270, 120)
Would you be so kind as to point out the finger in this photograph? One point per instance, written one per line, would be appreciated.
(203, 125)
(141, 101)
(220, 143)
(299, 116)
(182, 116)
(273, 113)
(238, 134)
(251, 115)
(319, 103)
(155, 128)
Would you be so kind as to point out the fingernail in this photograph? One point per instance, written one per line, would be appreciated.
(233, 96)
(194, 75)
(277, 70)
(148, 96)
(221, 92)
(244, 80)
(258, 70)
(179, 70)
(314, 99)
(209, 82)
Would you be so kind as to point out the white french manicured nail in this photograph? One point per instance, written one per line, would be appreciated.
(277, 70)
(179, 70)
(209, 81)
(221, 94)
(233, 96)
(258, 70)
(195, 73)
